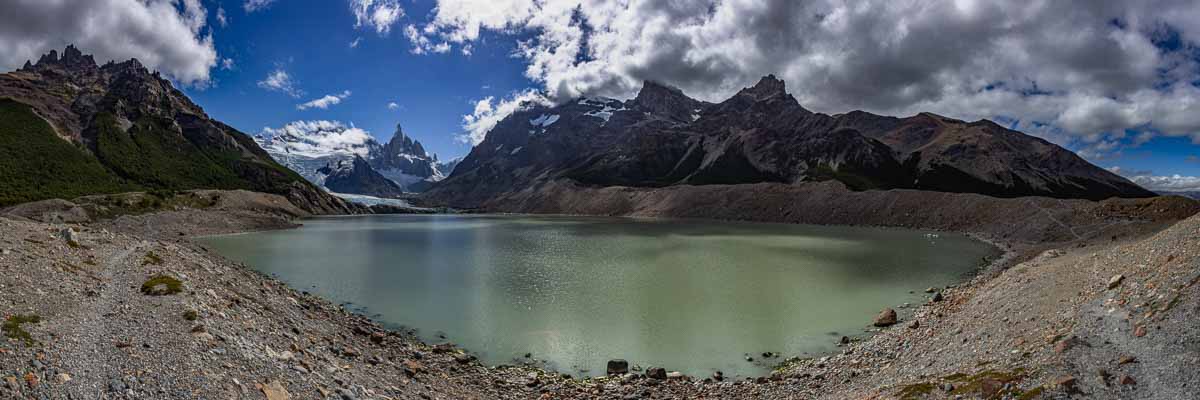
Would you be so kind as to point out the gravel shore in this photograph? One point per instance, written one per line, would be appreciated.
(80, 323)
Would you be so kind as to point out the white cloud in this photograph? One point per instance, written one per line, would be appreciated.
(279, 81)
(355, 43)
(488, 113)
(393, 106)
(324, 102)
(1086, 72)
(165, 35)
(317, 138)
(227, 63)
(256, 5)
(221, 19)
(376, 14)
(1172, 183)
(421, 44)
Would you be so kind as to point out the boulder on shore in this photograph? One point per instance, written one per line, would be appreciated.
(656, 373)
(885, 318)
(617, 367)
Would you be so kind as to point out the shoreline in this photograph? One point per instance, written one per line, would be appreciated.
(440, 371)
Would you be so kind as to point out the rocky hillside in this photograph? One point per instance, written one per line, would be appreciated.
(323, 146)
(762, 134)
(71, 127)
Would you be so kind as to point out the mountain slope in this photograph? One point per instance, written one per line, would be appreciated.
(762, 134)
(142, 132)
(357, 177)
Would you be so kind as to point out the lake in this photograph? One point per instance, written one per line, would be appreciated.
(686, 295)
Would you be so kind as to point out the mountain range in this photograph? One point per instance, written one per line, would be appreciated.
(70, 127)
(319, 148)
(762, 134)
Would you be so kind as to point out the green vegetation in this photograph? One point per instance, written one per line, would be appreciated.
(152, 259)
(159, 158)
(12, 328)
(191, 315)
(35, 164)
(162, 285)
(988, 384)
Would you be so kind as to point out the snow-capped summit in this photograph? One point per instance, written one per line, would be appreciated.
(313, 148)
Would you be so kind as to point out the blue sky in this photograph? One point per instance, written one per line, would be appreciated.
(310, 40)
(1114, 80)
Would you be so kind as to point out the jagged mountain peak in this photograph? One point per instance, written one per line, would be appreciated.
(767, 87)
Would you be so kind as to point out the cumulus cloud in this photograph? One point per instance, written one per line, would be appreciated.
(379, 15)
(393, 106)
(165, 35)
(422, 45)
(256, 5)
(280, 81)
(325, 101)
(1082, 73)
(317, 138)
(221, 18)
(488, 112)
(1172, 183)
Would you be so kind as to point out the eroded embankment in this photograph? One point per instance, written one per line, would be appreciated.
(1020, 220)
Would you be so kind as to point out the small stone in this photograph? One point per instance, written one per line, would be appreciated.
(377, 337)
(1126, 360)
(674, 375)
(656, 373)
(1127, 380)
(1066, 344)
(617, 367)
(885, 318)
(930, 290)
(845, 340)
(275, 391)
(31, 379)
(937, 297)
(116, 386)
(412, 367)
(1066, 382)
(62, 378)
(1115, 281)
(914, 324)
(718, 376)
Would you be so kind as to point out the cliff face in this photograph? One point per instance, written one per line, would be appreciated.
(762, 134)
(144, 133)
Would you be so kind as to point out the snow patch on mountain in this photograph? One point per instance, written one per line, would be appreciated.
(544, 120)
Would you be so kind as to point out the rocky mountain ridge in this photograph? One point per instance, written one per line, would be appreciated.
(402, 161)
(762, 134)
(129, 129)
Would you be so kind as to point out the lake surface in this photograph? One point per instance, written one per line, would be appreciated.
(692, 296)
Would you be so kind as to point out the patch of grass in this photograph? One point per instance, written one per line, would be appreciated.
(978, 384)
(162, 285)
(12, 328)
(916, 391)
(152, 259)
(191, 315)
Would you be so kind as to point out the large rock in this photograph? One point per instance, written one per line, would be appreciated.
(885, 318)
(617, 367)
(656, 373)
